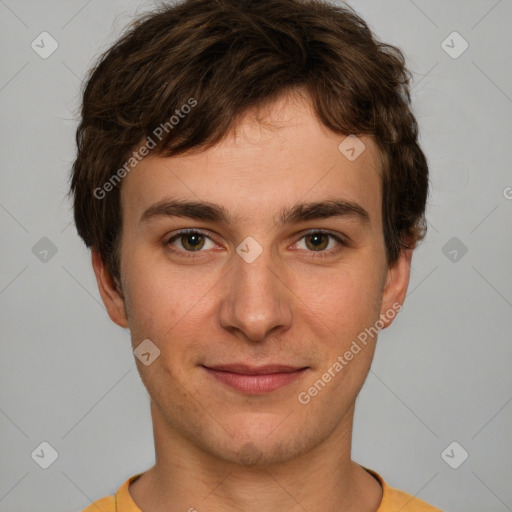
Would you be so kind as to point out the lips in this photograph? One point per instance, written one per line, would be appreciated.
(255, 380)
(244, 369)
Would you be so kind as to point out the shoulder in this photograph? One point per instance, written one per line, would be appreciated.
(121, 502)
(394, 499)
(107, 504)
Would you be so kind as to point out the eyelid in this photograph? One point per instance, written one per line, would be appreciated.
(186, 231)
(342, 240)
(339, 237)
(335, 234)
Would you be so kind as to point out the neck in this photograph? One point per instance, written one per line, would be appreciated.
(186, 477)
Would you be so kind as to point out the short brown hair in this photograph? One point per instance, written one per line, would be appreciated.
(228, 56)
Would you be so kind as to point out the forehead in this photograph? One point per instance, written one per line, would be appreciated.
(274, 155)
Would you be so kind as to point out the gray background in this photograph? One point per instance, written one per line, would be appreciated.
(441, 372)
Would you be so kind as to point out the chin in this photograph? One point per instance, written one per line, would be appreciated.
(260, 443)
(261, 452)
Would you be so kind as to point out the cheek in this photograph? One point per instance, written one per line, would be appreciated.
(150, 296)
(347, 300)
(348, 307)
(166, 304)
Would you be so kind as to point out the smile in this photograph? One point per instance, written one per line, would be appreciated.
(253, 380)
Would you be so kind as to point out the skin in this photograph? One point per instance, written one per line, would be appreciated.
(216, 448)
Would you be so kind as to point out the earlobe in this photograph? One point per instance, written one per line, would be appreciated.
(395, 290)
(110, 294)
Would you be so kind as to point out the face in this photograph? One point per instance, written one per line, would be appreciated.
(250, 298)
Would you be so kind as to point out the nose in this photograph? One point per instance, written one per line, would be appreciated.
(257, 298)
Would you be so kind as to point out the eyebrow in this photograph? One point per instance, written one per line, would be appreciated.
(206, 211)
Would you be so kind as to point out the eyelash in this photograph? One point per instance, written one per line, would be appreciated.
(314, 254)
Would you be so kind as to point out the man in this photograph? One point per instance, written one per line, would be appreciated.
(249, 180)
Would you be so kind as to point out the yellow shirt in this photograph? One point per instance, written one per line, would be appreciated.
(393, 500)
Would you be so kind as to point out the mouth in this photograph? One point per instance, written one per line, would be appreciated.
(255, 380)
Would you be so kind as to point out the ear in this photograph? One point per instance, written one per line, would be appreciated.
(395, 289)
(110, 294)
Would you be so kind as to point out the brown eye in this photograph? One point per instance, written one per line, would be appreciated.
(321, 243)
(317, 241)
(190, 241)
